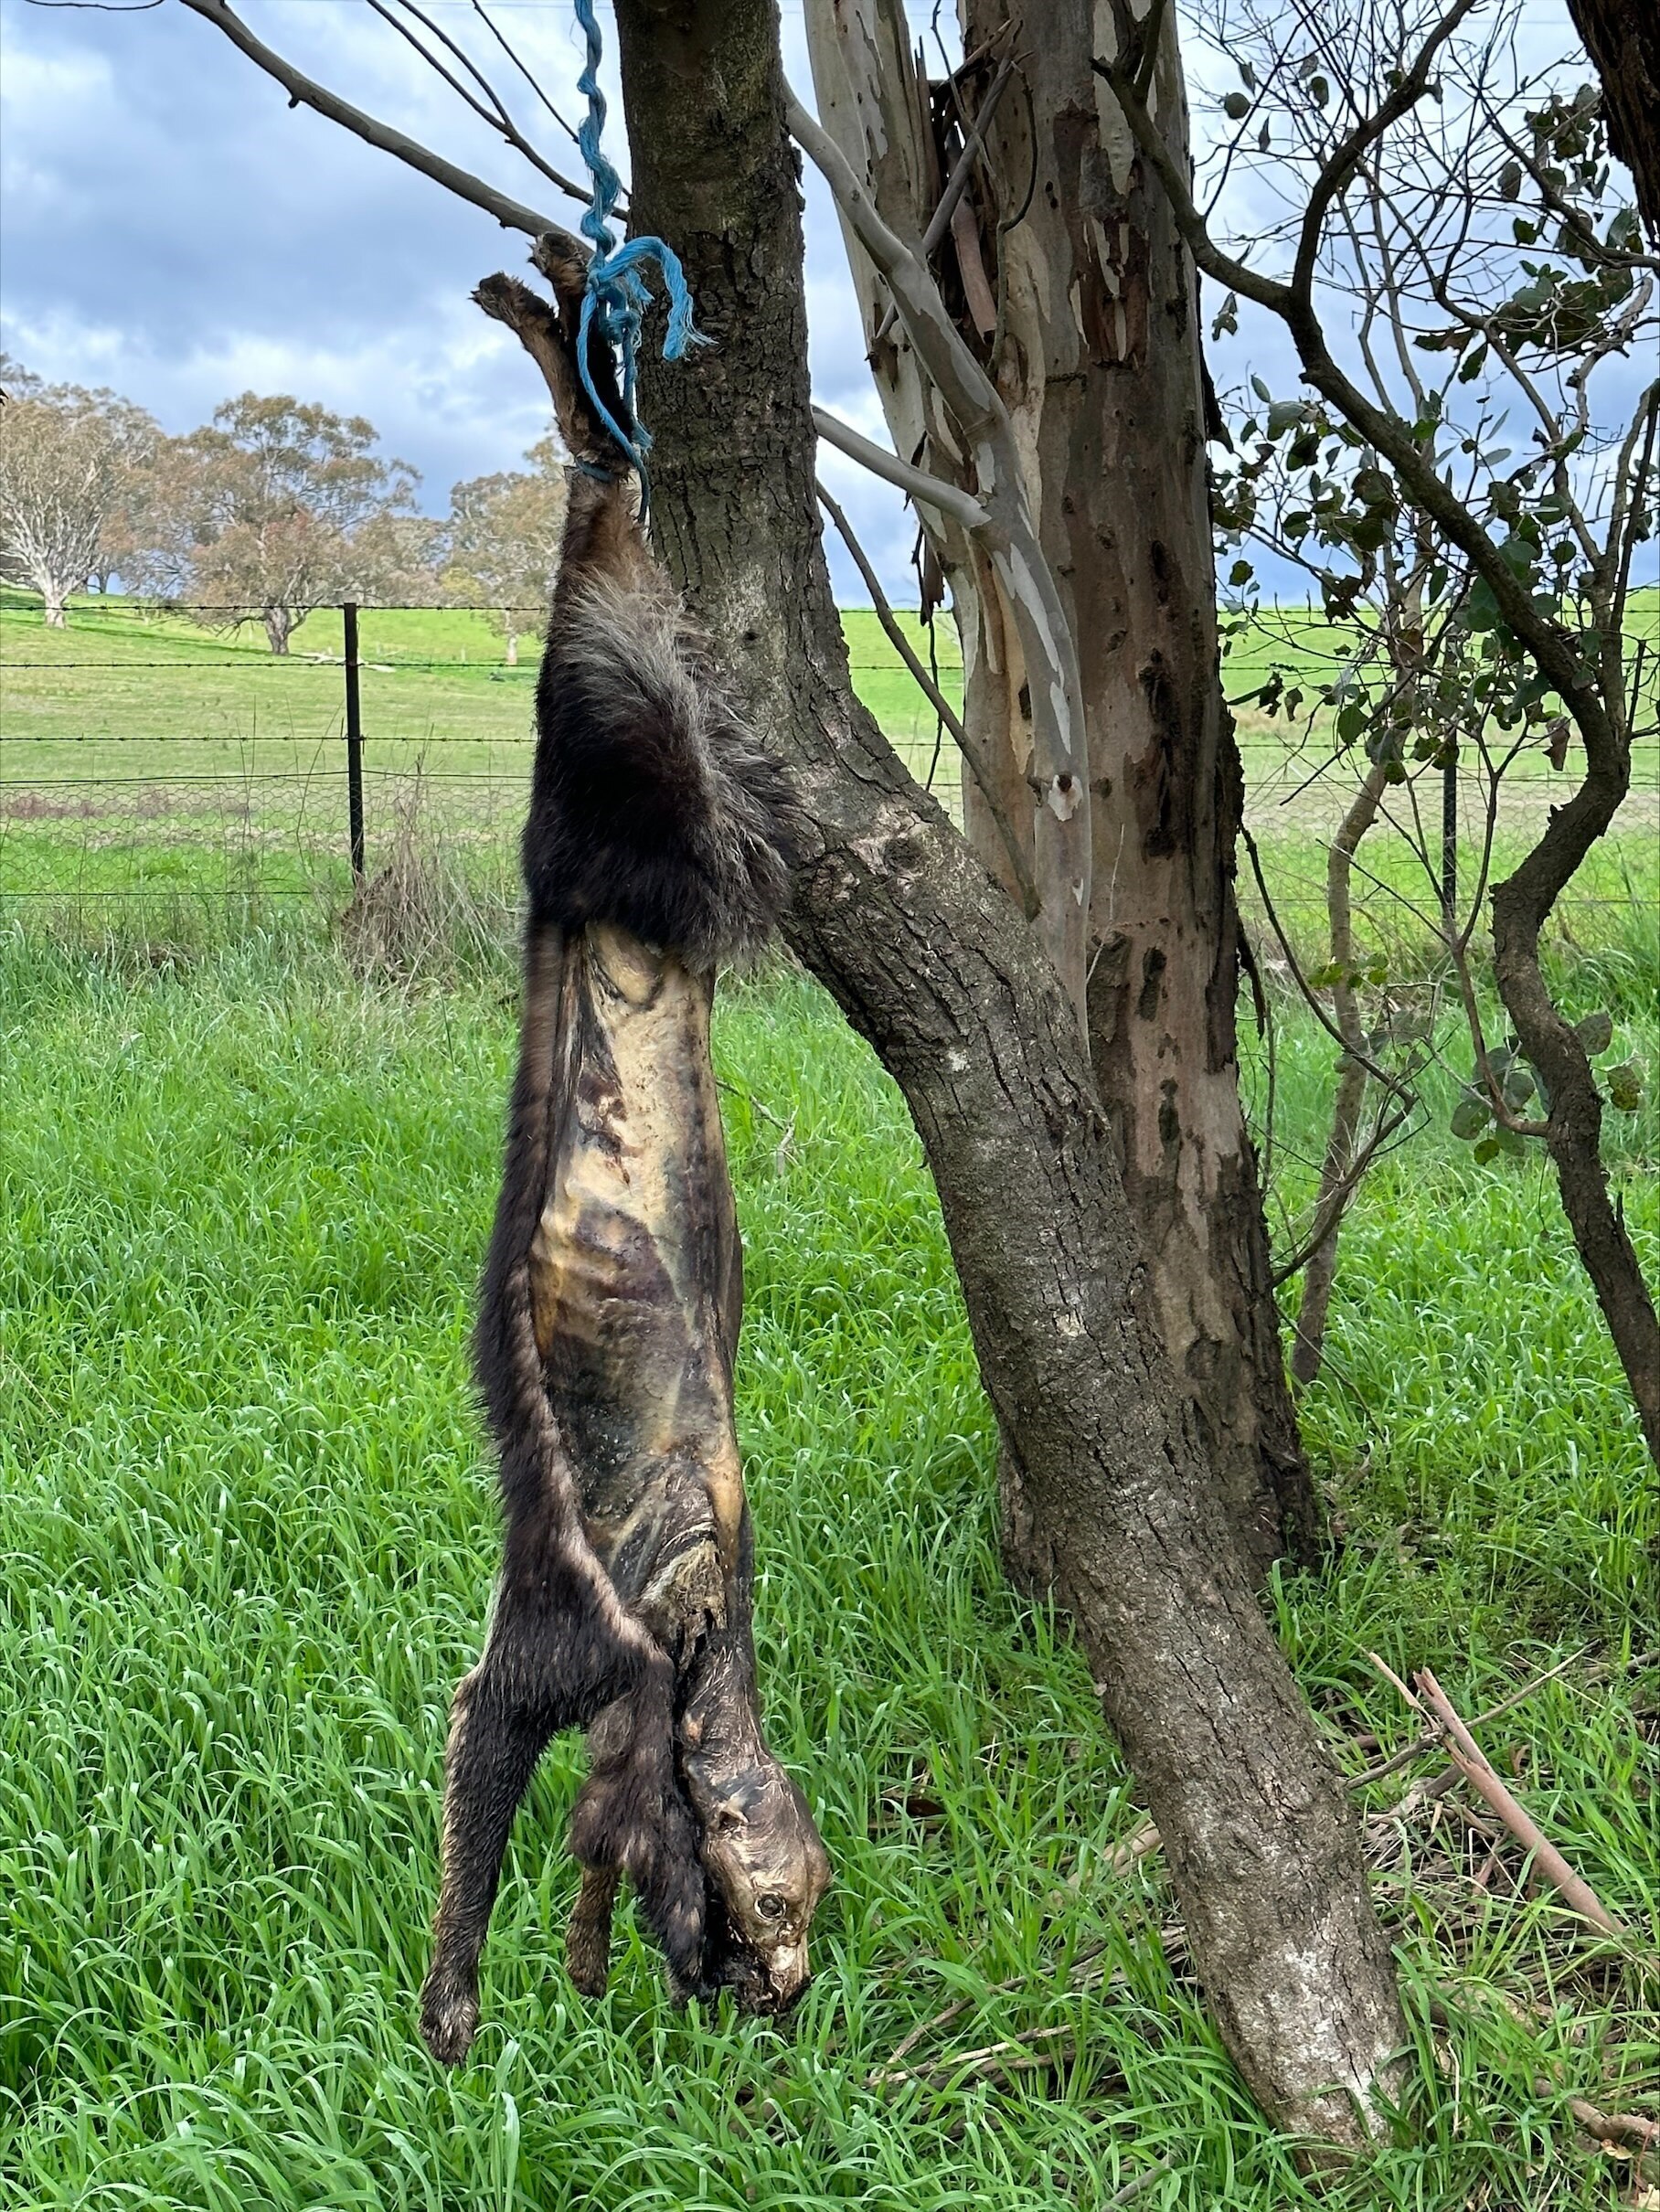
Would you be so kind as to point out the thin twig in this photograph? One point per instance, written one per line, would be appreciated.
(1421, 1744)
(1143, 2180)
(1006, 2057)
(1473, 1762)
(304, 91)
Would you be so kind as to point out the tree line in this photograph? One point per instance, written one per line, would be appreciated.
(275, 506)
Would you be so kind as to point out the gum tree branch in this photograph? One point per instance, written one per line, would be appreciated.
(1061, 820)
(933, 490)
(306, 92)
(936, 699)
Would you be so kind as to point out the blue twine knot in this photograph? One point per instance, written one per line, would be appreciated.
(617, 294)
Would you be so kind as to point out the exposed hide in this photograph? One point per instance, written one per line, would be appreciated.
(656, 847)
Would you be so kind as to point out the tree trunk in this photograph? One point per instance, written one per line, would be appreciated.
(1098, 360)
(512, 631)
(279, 622)
(1623, 39)
(52, 597)
(932, 963)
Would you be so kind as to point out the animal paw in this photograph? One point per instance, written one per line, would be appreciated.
(449, 2016)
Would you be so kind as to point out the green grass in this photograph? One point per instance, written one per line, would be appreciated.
(246, 1542)
(142, 753)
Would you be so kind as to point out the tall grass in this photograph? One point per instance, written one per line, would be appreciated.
(246, 1539)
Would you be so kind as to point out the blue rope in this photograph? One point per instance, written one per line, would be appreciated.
(617, 294)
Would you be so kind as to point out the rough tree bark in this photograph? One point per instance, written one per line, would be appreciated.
(1095, 349)
(932, 963)
(1623, 39)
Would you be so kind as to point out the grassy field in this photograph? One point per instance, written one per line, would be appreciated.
(143, 752)
(246, 1541)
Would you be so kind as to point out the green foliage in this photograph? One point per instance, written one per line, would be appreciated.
(245, 1542)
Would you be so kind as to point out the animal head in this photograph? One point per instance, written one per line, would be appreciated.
(768, 1869)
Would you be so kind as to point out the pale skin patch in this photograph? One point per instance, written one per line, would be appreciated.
(639, 1205)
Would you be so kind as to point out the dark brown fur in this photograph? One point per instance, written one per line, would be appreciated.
(656, 845)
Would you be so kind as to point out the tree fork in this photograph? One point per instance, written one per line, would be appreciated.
(929, 960)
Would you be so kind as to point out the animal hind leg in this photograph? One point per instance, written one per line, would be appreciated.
(560, 1650)
(633, 1817)
(496, 1736)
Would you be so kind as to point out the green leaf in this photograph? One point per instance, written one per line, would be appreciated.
(1596, 1033)
(1624, 1086)
(1471, 1115)
(1236, 107)
(1283, 415)
(1241, 572)
(1488, 1149)
(1519, 1087)
(1350, 723)
(1261, 390)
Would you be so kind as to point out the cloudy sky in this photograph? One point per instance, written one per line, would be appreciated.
(170, 228)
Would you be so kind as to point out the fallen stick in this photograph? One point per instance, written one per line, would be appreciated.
(1473, 1764)
(1143, 2180)
(1620, 2130)
(1009, 2056)
(1420, 1744)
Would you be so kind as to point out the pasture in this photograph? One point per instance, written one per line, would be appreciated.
(247, 1534)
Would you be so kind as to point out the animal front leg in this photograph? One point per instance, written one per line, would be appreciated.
(496, 1736)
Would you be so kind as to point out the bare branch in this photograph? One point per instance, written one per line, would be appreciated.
(496, 32)
(1334, 177)
(304, 91)
(1472, 1762)
(933, 490)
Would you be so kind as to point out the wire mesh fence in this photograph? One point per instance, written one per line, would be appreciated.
(163, 752)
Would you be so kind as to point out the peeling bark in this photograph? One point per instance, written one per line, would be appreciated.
(1099, 363)
(932, 962)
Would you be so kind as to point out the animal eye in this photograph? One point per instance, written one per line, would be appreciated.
(770, 1908)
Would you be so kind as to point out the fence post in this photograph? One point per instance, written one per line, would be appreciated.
(354, 741)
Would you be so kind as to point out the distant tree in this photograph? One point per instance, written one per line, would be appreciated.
(278, 507)
(503, 540)
(64, 455)
(15, 382)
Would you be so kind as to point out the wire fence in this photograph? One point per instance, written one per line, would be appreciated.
(165, 751)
